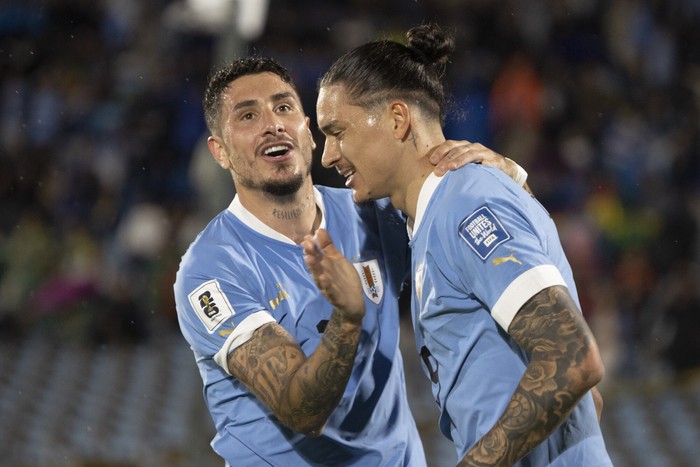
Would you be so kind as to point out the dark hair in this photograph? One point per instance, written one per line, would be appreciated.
(220, 79)
(381, 70)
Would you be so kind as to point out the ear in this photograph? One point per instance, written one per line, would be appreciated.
(401, 119)
(311, 135)
(217, 150)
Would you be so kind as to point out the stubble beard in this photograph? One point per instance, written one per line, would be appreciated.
(280, 190)
(283, 189)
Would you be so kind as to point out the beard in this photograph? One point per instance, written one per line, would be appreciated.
(277, 188)
(283, 189)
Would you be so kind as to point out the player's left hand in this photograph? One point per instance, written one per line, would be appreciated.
(334, 275)
(451, 155)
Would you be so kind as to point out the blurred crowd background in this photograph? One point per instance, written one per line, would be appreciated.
(105, 179)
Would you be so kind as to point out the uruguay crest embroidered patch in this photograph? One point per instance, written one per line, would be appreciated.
(371, 278)
(483, 232)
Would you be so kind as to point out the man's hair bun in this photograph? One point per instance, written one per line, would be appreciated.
(431, 44)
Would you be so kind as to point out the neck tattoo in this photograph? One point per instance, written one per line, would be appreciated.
(289, 214)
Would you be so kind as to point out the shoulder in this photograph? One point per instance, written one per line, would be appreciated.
(465, 195)
(473, 186)
(215, 234)
(213, 246)
(479, 177)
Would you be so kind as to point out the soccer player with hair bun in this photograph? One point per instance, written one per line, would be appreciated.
(498, 324)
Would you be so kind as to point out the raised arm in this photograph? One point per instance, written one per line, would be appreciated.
(564, 365)
(302, 392)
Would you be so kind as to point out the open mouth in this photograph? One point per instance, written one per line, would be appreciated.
(348, 177)
(276, 150)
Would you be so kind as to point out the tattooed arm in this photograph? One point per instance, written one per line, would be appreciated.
(564, 365)
(302, 392)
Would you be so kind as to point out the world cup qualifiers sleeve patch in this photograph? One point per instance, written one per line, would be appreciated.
(210, 304)
(483, 232)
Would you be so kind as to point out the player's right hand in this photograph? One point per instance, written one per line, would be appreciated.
(452, 154)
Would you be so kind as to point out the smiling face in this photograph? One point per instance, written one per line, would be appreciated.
(263, 136)
(360, 144)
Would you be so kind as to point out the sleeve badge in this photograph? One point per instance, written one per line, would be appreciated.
(210, 304)
(371, 279)
(483, 232)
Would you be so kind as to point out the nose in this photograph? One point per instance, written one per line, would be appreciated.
(330, 155)
(272, 124)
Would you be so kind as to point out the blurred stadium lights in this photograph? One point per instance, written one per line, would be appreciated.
(250, 20)
(218, 16)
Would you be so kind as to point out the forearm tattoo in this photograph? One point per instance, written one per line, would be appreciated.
(301, 392)
(552, 331)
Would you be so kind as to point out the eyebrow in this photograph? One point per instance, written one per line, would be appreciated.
(328, 127)
(275, 98)
(280, 96)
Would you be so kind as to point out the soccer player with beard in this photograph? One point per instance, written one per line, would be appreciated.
(289, 379)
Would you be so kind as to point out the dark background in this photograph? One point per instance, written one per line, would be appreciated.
(104, 181)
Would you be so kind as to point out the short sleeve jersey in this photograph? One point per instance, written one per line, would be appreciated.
(482, 247)
(239, 274)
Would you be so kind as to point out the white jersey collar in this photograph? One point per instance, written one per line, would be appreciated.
(426, 193)
(249, 219)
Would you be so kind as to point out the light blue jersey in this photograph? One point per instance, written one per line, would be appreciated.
(239, 274)
(481, 248)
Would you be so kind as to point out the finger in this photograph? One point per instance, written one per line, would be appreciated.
(441, 169)
(441, 151)
(458, 157)
(322, 238)
(312, 255)
(325, 243)
(312, 263)
(488, 156)
(310, 246)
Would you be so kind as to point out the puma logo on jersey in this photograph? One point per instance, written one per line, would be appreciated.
(505, 259)
(281, 295)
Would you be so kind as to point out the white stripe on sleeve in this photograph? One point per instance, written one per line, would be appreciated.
(522, 289)
(240, 335)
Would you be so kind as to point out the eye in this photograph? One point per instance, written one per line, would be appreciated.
(284, 108)
(247, 116)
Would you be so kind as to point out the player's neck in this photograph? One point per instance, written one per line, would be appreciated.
(417, 169)
(412, 191)
(294, 216)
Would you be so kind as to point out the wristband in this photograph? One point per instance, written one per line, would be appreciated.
(520, 173)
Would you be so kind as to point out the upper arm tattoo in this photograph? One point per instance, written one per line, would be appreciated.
(302, 392)
(266, 362)
(550, 328)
